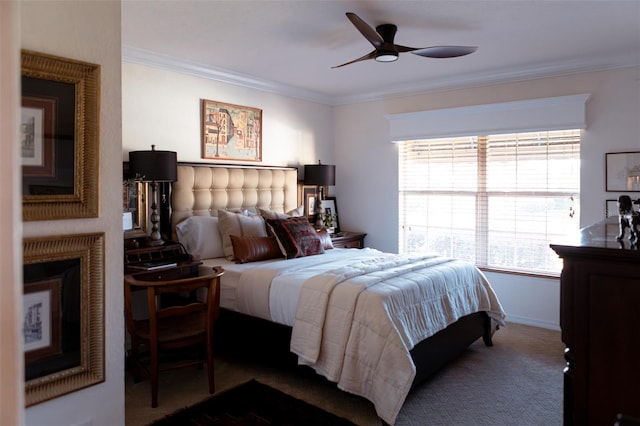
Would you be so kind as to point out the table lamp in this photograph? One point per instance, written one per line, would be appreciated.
(154, 166)
(320, 175)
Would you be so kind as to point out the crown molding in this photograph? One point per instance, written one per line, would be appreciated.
(145, 57)
(492, 78)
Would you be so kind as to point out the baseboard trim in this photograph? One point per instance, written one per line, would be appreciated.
(533, 322)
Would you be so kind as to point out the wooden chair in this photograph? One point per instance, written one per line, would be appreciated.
(172, 327)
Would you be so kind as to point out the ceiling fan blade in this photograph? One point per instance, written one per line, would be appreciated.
(366, 30)
(371, 55)
(444, 51)
(401, 49)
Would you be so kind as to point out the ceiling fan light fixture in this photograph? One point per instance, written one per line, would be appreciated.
(387, 51)
(386, 56)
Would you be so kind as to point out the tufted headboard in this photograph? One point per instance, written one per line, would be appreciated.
(202, 189)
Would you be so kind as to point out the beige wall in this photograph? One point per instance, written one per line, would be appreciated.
(89, 31)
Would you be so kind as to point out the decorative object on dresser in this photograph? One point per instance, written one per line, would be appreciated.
(628, 217)
(348, 239)
(154, 166)
(59, 137)
(320, 175)
(231, 132)
(600, 317)
(175, 326)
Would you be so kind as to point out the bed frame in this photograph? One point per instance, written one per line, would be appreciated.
(202, 189)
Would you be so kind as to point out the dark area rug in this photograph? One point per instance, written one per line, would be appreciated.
(252, 403)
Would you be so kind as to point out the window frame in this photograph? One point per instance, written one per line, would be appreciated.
(482, 194)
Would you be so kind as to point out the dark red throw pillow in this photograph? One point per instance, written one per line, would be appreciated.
(296, 236)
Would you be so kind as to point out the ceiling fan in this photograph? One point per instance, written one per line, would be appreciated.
(386, 51)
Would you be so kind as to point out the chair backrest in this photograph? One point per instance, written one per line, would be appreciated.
(156, 286)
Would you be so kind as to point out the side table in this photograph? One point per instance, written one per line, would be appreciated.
(346, 239)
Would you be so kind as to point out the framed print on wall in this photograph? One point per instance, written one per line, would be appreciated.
(231, 132)
(59, 137)
(41, 324)
(623, 171)
(611, 208)
(63, 315)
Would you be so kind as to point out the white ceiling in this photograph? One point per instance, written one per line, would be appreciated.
(290, 46)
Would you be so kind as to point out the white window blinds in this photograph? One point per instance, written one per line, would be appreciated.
(495, 200)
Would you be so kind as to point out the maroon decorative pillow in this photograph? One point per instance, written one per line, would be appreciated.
(325, 238)
(296, 236)
(251, 249)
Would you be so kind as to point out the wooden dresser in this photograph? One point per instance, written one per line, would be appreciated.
(600, 322)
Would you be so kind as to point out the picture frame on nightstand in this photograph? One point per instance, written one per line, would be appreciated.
(329, 205)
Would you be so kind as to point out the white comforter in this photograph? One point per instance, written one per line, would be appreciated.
(360, 312)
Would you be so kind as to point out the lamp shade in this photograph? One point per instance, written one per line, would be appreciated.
(154, 166)
(319, 174)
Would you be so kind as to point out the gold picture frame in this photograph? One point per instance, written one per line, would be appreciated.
(59, 135)
(64, 315)
(231, 132)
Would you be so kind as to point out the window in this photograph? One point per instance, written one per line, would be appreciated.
(497, 200)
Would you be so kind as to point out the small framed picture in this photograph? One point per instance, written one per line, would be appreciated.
(623, 172)
(41, 322)
(330, 213)
(309, 200)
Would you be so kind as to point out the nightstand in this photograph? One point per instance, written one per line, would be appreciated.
(346, 239)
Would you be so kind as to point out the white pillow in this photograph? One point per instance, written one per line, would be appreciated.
(241, 225)
(200, 236)
(270, 214)
(296, 212)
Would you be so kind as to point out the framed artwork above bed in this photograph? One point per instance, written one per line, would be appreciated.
(231, 132)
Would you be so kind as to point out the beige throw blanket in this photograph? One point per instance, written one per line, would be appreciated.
(356, 324)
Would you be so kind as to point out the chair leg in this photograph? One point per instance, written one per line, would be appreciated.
(134, 362)
(155, 369)
(210, 369)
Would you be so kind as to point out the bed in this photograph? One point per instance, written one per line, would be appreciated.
(374, 323)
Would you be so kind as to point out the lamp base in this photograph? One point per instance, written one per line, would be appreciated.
(319, 224)
(151, 242)
(155, 239)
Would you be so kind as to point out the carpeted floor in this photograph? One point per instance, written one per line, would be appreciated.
(518, 381)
